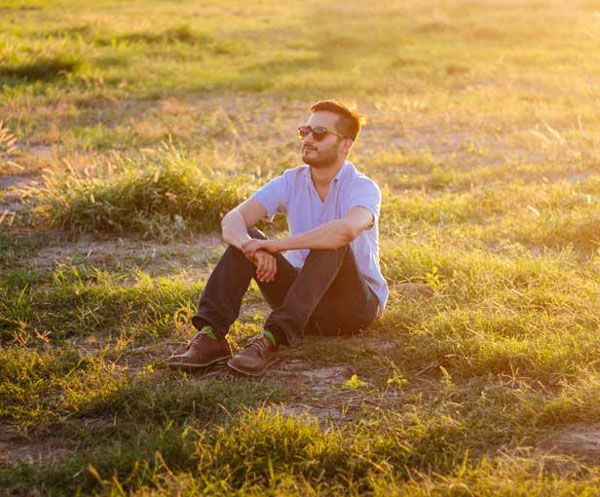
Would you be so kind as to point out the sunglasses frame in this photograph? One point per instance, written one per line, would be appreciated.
(319, 132)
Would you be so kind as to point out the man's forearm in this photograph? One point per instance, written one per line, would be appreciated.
(331, 235)
(235, 231)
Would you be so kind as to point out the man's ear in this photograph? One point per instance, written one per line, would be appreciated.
(347, 145)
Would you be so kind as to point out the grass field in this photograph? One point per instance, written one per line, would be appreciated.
(129, 128)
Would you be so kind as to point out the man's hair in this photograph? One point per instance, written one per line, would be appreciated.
(350, 120)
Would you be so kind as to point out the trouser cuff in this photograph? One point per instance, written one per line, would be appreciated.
(199, 323)
(279, 335)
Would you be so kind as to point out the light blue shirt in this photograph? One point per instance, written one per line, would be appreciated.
(294, 193)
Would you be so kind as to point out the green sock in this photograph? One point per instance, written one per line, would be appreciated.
(207, 330)
(270, 336)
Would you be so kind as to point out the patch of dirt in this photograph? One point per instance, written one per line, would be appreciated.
(415, 290)
(313, 381)
(45, 151)
(12, 182)
(136, 359)
(298, 410)
(120, 248)
(44, 444)
(10, 186)
(578, 177)
(15, 448)
(580, 440)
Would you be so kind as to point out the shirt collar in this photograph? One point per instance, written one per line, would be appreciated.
(340, 174)
(338, 177)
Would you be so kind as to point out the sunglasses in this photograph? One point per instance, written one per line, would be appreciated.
(318, 132)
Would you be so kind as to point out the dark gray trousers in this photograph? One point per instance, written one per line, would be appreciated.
(328, 295)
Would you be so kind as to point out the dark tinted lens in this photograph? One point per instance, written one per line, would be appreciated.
(319, 133)
(303, 131)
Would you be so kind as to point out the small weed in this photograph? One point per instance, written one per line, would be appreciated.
(354, 383)
(397, 381)
(432, 278)
(7, 140)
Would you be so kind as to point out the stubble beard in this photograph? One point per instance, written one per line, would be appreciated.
(324, 161)
(318, 164)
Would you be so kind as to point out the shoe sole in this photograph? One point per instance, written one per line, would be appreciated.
(253, 373)
(187, 365)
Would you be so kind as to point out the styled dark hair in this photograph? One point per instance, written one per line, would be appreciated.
(350, 120)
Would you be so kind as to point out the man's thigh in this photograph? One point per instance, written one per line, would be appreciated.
(347, 306)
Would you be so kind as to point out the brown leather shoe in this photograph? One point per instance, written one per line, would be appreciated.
(201, 352)
(256, 357)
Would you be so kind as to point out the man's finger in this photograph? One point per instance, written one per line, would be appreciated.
(264, 267)
(268, 269)
(272, 269)
(260, 268)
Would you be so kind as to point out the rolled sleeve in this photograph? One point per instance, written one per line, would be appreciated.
(368, 196)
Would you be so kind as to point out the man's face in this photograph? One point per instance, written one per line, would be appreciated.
(330, 149)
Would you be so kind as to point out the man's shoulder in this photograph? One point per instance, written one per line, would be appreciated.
(360, 182)
(286, 180)
(294, 172)
(290, 177)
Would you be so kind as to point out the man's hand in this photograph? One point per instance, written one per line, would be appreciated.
(260, 253)
(252, 246)
(266, 266)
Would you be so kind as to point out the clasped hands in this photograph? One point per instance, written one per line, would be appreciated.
(260, 253)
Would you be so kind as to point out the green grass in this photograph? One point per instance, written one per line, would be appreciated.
(262, 450)
(171, 198)
(134, 126)
(43, 68)
(75, 305)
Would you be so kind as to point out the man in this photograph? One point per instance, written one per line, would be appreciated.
(328, 282)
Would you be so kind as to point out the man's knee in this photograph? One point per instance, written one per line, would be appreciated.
(329, 253)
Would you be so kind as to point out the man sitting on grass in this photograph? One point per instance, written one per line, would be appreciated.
(329, 280)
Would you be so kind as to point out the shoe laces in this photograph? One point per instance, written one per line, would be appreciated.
(196, 341)
(200, 335)
(261, 343)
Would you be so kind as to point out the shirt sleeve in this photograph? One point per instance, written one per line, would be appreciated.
(368, 195)
(273, 196)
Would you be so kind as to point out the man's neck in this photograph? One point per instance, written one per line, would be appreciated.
(322, 176)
